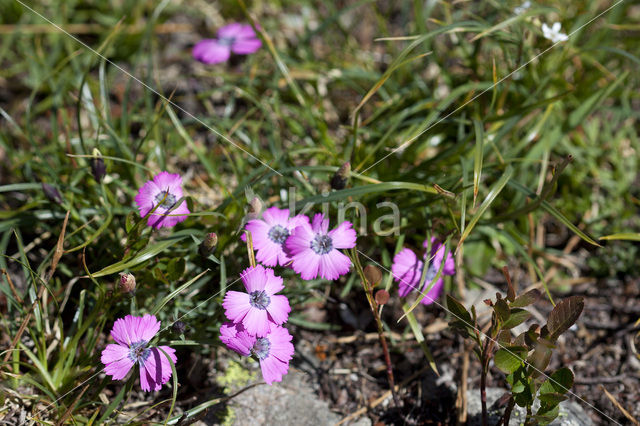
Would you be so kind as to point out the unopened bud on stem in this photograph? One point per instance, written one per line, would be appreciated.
(340, 178)
(255, 208)
(52, 193)
(127, 283)
(208, 245)
(98, 168)
(373, 275)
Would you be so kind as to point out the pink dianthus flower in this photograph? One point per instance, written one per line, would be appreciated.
(273, 351)
(270, 233)
(314, 249)
(260, 305)
(164, 189)
(237, 38)
(132, 336)
(407, 270)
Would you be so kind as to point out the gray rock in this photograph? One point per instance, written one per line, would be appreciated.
(291, 402)
(571, 413)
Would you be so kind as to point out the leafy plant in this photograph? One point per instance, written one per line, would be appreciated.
(523, 358)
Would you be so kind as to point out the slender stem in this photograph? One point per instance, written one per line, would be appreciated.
(383, 341)
(486, 356)
(507, 412)
(483, 395)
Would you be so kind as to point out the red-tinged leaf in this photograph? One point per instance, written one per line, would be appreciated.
(564, 315)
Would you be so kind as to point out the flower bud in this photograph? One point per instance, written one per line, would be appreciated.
(127, 283)
(208, 245)
(255, 208)
(382, 296)
(178, 327)
(52, 193)
(340, 178)
(373, 275)
(98, 168)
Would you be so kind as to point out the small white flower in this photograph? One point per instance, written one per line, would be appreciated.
(553, 33)
(522, 8)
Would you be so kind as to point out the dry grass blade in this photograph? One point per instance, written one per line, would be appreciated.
(619, 406)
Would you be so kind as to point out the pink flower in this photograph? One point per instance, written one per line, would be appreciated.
(260, 305)
(274, 350)
(269, 234)
(314, 249)
(132, 335)
(237, 38)
(407, 270)
(165, 189)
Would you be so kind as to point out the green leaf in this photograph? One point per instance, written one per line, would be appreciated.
(559, 382)
(130, 222)
(175, 268)
(501, 308)
(526, 299)
(564, 315)
(458, 310)
(174, 376)
(540, 357)
(143, 256)
(115, 402)
(478, 157)
(587, 106)
(546, 414)
(631, 236)
(555, 213)
(417, 332)
(504, 338)
(517, 317)
(491, 196)
(175, 292)
(359, 191)
(510, 359)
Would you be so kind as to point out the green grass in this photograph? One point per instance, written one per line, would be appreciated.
(296, 105)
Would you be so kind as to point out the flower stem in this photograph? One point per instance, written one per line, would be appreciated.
(368, 290)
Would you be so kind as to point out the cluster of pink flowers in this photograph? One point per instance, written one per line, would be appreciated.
(307, 246)
(257, 315)
(407, 270)
(256, 319)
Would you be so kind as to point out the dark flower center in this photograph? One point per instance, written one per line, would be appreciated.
(226, 41)
(165, 199)
(259, 299)
(432, 271)
(139, 352)
(322, 244)
(278, 234)
(261, 348)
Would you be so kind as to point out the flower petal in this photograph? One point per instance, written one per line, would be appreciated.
(434, 293)
(406, 270)
(306, 264)
(274, 283)
(156, 370)
(116, 360)
(246, 47)
(279, 309)
(171, 182)
(256, 322)
(343, 236)
(210, 51)
(254, 278)
(334, 264)
(236, 305)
